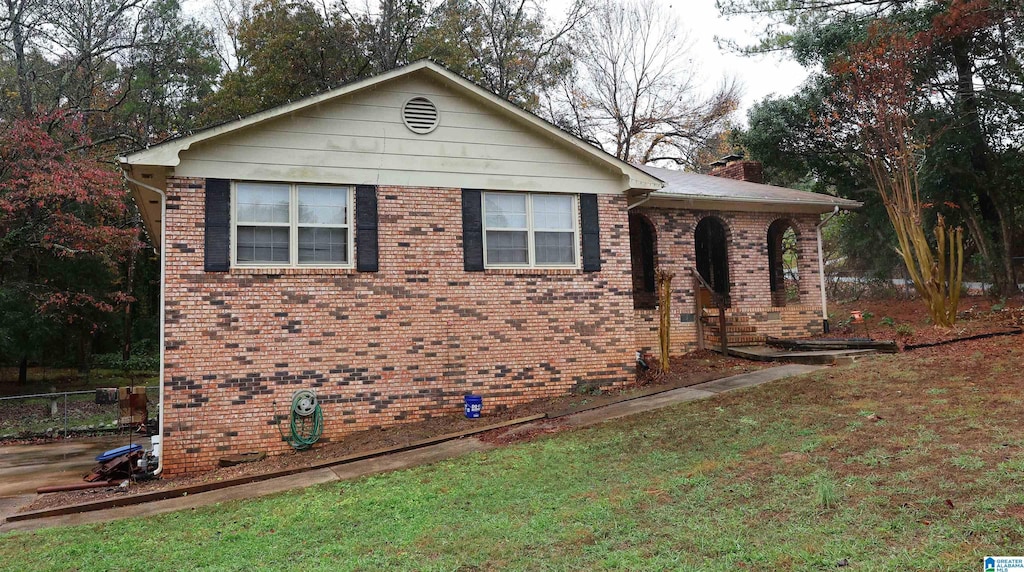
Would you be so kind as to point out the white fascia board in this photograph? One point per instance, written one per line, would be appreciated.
(719, 203)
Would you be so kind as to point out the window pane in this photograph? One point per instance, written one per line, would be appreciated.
(323, 245)
(554, 247)
(323, 205)
(261, 202)
(505, 210)
(507, 247)
(262, 244)
(552, 212)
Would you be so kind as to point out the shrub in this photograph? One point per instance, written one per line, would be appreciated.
(137, 362)
(904, 330)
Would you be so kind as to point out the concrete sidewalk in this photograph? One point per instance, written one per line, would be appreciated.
(408, 459)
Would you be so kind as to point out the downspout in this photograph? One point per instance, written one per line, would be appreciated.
(821, 270)
(163, 276)
(646, 198)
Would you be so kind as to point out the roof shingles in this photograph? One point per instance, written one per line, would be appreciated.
(694, 186)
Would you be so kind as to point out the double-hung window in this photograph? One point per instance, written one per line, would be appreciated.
(278, 224)
(530, 229)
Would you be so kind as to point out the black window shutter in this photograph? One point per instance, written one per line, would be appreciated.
(591, 233)
(366, 229)
(472, 231)
(218, 225)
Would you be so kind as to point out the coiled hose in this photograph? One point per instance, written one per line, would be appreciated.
(306, 420)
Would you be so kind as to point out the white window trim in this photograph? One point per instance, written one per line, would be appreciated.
(530, 230)
(293, 226)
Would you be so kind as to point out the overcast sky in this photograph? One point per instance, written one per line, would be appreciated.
(760, 76)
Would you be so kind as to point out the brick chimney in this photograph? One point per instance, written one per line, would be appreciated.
(734, 167)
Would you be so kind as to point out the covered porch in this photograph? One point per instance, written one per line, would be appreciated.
(746, 249)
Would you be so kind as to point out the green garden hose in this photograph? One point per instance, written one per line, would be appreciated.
(307, 420)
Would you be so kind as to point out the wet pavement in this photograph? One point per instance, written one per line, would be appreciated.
(23, 468)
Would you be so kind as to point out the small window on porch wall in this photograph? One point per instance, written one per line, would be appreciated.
(711, 242)
(783, 258)
(641, 251)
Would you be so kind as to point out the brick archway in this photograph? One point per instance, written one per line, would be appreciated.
(711, 243)
(783, 260)
(643, 248)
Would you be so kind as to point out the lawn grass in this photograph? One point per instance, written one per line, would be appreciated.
(891, 464)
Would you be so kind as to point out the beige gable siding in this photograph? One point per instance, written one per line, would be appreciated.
(362, 140)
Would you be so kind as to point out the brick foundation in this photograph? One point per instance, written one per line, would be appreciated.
(383, 348)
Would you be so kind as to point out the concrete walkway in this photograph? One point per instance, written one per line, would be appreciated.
(23, 468)
(821, 357)
(408, 459)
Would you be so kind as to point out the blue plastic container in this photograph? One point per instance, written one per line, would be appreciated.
(115, 453)
(474, 405)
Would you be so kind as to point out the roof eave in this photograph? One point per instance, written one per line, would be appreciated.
(820, 206)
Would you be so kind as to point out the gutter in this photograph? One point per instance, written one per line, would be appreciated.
(821, 272)
(756, 200)
(163, 282)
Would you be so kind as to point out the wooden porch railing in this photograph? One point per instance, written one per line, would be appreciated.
(699, 287)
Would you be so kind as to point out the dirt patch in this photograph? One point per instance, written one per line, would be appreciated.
(690, 369)
(792, 458)
(529, 432)
(1016, 511)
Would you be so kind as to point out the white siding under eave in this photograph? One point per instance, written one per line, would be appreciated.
(362, 140)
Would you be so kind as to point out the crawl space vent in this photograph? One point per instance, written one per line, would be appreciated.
(420, 115)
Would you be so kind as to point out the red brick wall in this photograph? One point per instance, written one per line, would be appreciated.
(748, 271)
(750, 171)
(381, 348)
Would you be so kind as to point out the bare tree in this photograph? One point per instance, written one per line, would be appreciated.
(635, 92)
(225, 18)
(92, 38)
(511, 47)
(18, 21)
(519, 43)
(389, 29)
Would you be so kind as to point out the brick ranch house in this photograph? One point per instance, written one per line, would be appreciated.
(402, 241)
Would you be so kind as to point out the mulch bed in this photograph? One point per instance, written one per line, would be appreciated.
(908, 323)
(691, 369)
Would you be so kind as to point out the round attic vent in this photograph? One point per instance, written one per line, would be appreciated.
(420, 115)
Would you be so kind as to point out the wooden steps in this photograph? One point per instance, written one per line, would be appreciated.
(739, 330)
